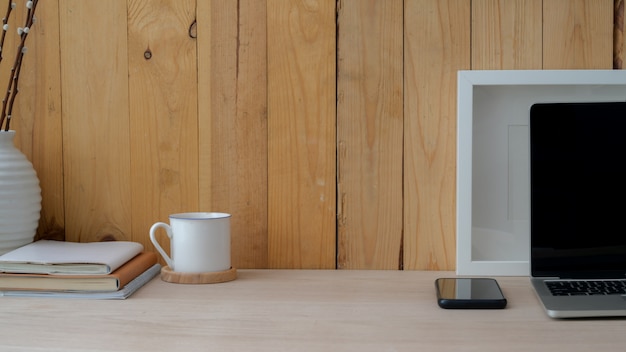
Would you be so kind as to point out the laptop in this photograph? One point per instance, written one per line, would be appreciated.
(578, 208)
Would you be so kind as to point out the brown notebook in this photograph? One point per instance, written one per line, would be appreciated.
(109, 282)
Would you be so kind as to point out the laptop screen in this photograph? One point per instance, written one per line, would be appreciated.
(578, 189)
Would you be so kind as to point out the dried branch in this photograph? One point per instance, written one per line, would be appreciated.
(12, 89)
(5, 25)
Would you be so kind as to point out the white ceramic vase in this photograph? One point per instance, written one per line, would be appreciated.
(20, 196)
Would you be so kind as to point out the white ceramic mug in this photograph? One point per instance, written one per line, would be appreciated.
(200, 242)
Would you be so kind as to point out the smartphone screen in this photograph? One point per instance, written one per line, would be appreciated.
(482, 293)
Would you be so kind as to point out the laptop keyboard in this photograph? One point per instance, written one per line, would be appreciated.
(586, 287)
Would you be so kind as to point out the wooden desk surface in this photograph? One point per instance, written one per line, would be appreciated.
(299, 310)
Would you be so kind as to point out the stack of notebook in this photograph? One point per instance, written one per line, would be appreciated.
(97, 270)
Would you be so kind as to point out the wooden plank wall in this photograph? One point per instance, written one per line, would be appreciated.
(619, 40)
(370, 134)
(232, 110)
(326, 127)
(441, 30)
(301, 133)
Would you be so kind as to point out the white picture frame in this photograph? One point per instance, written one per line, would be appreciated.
(493, 178)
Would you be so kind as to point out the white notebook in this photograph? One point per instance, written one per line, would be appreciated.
(71, 258)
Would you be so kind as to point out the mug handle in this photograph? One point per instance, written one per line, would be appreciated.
(158, 247)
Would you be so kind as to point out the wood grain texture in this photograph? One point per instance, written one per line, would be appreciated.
(436, 45)
(578, 34)
(301, 133)
(300, 310)
(38, 112)
(95, 120)
(619, 40)
(232, 114)
(506, 34)
(168, 275)
(369, 127)
(127, 117)
(163, 109)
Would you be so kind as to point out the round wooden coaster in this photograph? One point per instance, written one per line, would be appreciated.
(213, 277)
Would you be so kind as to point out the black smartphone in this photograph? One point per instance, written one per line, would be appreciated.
(469, 293)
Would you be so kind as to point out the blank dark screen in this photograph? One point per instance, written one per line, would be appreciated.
(578, 189)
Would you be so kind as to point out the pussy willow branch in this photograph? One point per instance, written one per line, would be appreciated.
(5, 20)
(12, 90)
